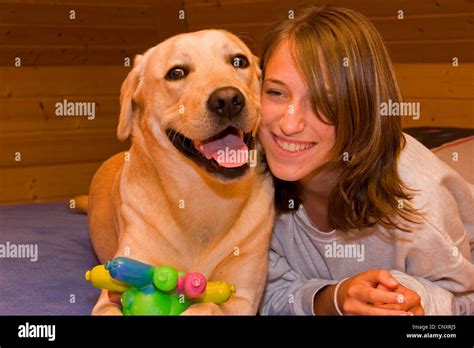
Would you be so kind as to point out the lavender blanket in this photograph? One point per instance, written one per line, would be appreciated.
(44, 252)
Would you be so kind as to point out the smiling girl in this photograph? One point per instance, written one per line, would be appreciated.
(370, 221)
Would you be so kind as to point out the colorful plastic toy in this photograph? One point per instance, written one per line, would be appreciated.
(148, 290)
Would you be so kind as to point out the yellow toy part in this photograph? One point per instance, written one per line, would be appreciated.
(100, 278)
(217, 292)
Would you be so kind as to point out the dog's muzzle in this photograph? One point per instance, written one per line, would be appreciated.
(228, 153)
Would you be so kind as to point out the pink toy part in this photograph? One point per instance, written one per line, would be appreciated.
(194, 285)
(180, 285)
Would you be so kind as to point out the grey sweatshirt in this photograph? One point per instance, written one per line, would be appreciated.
(435, 260)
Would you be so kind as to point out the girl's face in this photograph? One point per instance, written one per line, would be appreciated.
(296, 142)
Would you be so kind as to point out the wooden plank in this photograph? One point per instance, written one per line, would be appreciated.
(102, 3)
(251, 34)
(27, 114)
(85, 14)
(43, 148)
(221, 12)
(39, 114)
(372, 9)
(20, 35)
(442, 113)
(406, 51)
(456, 26)
(62, 81)
(45, 183)
(436, 80)
(431, 51)
(417, 38)
(167, 18)
(67, 55)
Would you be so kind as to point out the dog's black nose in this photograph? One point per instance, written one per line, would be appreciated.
(226, 101)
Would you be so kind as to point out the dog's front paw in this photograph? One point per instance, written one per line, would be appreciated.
(203, 309)
(109, 309)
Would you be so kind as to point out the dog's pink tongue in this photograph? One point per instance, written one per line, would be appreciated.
(233, 157)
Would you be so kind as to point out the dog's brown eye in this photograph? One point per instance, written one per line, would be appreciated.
(240, 61)
(176, 73)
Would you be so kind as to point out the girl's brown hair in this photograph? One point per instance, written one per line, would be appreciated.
(359, 71)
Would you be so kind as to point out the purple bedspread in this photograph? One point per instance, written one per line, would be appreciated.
(44, 252)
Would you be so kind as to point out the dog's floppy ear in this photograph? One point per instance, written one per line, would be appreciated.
(127, 104)
(258, 69)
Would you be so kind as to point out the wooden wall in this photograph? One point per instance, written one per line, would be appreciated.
(431, 31)
(79, 59)
(422, 45)
(82, 59)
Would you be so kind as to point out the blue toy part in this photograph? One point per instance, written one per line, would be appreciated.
(132, 272)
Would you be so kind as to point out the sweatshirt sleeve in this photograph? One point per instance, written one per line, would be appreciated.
(287, 292)
(436, 258)
(438, 267)
(436, 300)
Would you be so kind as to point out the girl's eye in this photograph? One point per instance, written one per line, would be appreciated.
(274, 93)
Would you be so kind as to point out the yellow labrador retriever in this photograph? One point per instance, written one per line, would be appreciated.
(188, 193)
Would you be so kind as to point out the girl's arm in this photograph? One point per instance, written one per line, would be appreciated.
(287, 292)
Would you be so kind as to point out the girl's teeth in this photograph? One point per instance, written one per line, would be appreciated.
(292, 147)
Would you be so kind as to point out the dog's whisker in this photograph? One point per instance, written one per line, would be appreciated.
(243, 36)
(174, 134)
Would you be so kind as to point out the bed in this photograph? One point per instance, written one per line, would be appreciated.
(52, 282)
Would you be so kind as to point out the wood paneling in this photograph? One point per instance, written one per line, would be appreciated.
(455, 26)
(82, 60)
(68, 36)
(401, 51)
(440, 112)
(102, 3)
(69, 55)
(59, 155)
(445, 93)
(452, 27)
(42, 33)
(61, 81)
(436, 80)
(431, 31)
(431, 51)
(46, 148)
(126, 15)
(211, 11)
(31, 114)
(45, 183)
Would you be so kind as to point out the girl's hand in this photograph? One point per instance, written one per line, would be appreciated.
(359, 295)
(411, 300)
